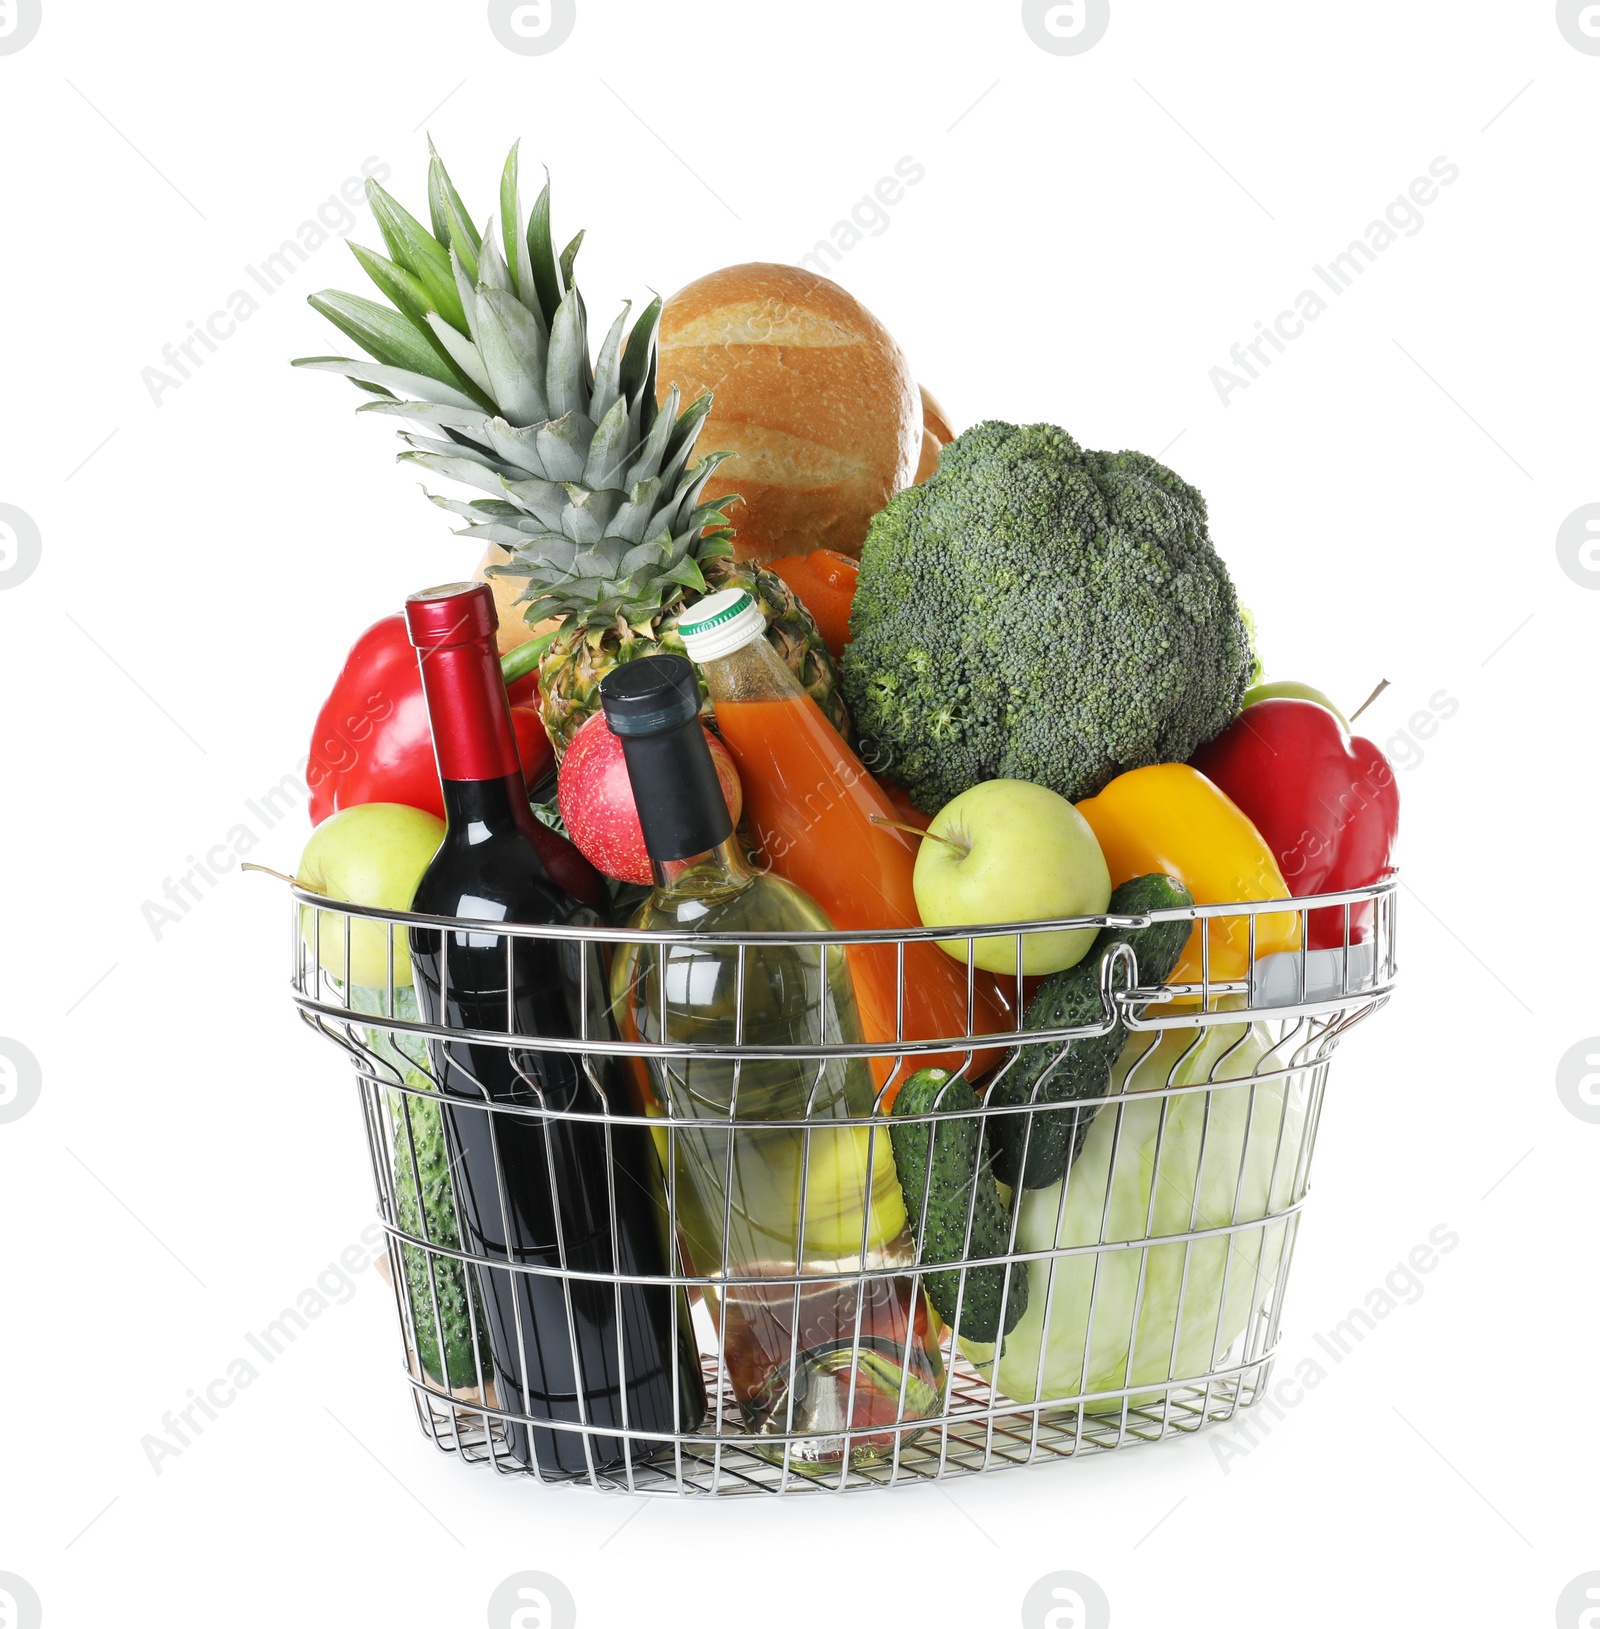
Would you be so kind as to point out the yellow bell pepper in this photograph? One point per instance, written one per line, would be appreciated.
(839, 1189)
(1169, 817)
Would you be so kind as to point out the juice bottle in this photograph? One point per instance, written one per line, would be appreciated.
(811, 807)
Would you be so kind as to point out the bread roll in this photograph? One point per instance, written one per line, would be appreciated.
(936, 433)
(812, 396)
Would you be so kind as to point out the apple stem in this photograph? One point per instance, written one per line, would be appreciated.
(917, 831)
(250, 865)
(1382, 686)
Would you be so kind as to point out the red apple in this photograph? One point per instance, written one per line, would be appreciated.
(596, 800)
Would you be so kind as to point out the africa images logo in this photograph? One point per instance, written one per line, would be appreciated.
(1578, 1086)
(1578, 546)
(19, 1605)
(1579, 22)
(1066, 28)
(1066, 1600)
(1579, 1606)
(19, 22)
(21, 547)
(20, 1083)
(532, 1600)
(532, 28)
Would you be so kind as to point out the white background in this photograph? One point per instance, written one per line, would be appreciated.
(1093, 233)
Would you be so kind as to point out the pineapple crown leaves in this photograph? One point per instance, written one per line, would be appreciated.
(613, 584)
(483, 354)
(494, 316)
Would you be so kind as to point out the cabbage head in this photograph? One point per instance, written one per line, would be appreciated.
(1155, 1166)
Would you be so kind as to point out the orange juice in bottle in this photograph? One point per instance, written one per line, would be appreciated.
(811, 804)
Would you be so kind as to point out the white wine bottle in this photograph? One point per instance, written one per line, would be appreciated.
(798, 1228)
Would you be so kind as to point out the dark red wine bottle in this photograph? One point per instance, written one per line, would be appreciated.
(554, 1199)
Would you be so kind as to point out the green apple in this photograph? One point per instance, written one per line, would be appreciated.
(1012, 852)
(370, 854)
(1294, 691)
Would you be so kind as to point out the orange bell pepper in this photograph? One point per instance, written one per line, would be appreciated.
(1169, 817)
(825, 580)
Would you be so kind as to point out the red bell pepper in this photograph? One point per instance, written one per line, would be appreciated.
(372, 743)
(1325, 801)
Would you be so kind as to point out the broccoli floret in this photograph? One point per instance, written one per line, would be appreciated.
(1043, 613)
(1254, 635)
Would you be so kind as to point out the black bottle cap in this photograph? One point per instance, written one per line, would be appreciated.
(650, 696)
(653, 705)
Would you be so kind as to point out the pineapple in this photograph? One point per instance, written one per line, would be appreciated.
(483, 356)
(605, 623)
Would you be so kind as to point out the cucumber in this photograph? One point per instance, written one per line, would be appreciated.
(429, 1212)
(943, 1177)
(1069, 1071)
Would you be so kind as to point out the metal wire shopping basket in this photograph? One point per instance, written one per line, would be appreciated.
(1155, 1270)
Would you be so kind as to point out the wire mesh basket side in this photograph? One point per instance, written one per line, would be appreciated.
(1155, 1267)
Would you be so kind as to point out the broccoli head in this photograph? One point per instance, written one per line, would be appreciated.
(1042, 613)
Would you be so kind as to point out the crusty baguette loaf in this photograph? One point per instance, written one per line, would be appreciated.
(812, 396)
